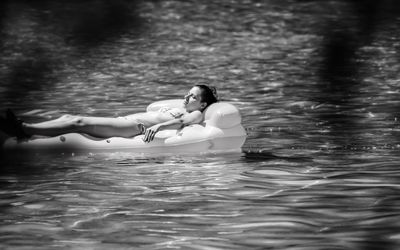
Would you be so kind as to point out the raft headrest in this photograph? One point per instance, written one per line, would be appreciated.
(220, 114)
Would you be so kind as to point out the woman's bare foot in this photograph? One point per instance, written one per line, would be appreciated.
(16, 123)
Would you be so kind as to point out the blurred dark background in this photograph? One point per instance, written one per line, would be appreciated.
(39, 37)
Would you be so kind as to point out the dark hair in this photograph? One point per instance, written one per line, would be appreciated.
(208, 94)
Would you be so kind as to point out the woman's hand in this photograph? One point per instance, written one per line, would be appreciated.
(151, 132)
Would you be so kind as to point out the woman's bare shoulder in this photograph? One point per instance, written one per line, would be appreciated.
(194, 117)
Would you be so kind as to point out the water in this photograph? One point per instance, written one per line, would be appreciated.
(319, 169)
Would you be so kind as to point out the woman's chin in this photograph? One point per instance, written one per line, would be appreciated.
(188, 109)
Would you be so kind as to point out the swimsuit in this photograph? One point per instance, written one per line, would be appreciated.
(174, 112)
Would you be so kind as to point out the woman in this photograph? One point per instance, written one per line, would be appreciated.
(195, 102)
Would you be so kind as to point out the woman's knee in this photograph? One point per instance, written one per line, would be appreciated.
(77, 121)
(66, 116)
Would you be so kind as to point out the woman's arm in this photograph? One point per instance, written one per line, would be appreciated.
(194, 117)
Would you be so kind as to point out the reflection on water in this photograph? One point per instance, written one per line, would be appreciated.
(320, 105)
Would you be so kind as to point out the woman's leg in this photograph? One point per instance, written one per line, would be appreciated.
(95, 126)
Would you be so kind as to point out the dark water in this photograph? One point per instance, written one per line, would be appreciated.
(317, 87)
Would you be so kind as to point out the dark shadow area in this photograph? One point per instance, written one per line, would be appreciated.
(32, 72)
(262, 156)
(339, 83)
(83, 22)
(38, 37)
(3, 12)
(340, 75)
(90, 23)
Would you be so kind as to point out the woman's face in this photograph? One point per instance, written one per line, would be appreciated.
(192, 101)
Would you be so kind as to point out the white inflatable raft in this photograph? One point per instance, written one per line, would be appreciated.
(220, 132)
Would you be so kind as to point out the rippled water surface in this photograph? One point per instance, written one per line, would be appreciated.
(317, 87)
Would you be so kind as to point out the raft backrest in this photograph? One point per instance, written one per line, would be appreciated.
(220, 114)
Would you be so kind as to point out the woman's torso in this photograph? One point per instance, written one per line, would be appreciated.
(154, 117)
